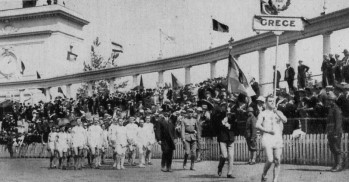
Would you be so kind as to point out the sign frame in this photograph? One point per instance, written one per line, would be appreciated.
(277, 17)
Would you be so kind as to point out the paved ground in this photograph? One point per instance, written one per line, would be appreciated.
(33, 170)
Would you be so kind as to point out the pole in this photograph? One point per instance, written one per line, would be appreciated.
(277, 33)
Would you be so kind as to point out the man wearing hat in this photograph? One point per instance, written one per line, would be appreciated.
(165, 135)
(334, 132)
(302, 74)
(190, 135)
(251, 135)
(289, 76)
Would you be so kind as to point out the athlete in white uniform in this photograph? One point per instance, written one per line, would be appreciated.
(51, 146)
(104, 144)
(112, 138)
(270, 122)
(79, 137)
(94, 134)
(132, 130)
(61, 146)
(150, 135)
(141, 142)
(120, 144)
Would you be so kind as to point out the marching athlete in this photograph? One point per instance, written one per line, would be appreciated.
(270, 122)
(61, 146)
(131, 130)
(94, 134)
(120, 145)
(149, 134)
(79, 136)
(51, 146)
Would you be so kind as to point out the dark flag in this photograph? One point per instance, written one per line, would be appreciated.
(220, 27)
(42, 91)
(22, 67)
(61, 91)
(141, 83)
(38, 75)
(175, 82)
(237, 82)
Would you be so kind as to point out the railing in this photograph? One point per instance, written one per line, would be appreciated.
(313, 149)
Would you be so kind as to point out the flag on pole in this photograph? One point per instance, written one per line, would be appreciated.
(38, 75)
(175, 82)
(237, 82)
(61, 91)
(141, 86)
(42, 91)
(22, 67)
(220, 27)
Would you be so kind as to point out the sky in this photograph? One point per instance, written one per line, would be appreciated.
(135, 25)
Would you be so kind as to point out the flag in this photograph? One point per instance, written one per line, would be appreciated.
(175, 82)
(22, 67)
(237, 82)
(220, 27)
(141, 83)
(61, 91)
(38, 75)
(42, 91)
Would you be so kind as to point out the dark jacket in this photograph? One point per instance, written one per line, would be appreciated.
(225, 134)
(290, 73)
(334, 120)
(251, 130)
(166, 133)
(302, 69)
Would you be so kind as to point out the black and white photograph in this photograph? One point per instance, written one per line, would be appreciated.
(174, 90)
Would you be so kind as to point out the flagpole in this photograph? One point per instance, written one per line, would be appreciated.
(211, 35)
(160, 53)
(277, 33)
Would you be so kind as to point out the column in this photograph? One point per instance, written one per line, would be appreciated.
(213, 69)
(111, 85)
(21, 95)
(161, 79)
(48, 94)
(68, 90)
(326, 42)
(135, 83)
(262, 71)
(187, 75)
(89, 89)
(292, 54)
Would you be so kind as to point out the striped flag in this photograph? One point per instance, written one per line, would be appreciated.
(175, 82)
(38, 75)
(22, 67)
(220, 27)
(237, 82)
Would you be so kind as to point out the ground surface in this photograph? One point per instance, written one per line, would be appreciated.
(33, 170)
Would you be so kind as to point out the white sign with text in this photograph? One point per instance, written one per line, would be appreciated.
(277, 23)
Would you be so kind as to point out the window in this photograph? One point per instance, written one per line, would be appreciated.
(29, 3)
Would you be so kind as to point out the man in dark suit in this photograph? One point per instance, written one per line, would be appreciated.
(165, 135)
(302, 70)
(289, 76)
(226, 126)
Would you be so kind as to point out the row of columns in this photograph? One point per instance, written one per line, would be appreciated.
(326, 39)
(263, 66)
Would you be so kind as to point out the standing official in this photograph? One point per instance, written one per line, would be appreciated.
(289, 76)
(251, 135)
(334, 132)
(190, 137)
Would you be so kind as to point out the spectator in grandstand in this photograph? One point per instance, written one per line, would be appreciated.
(289, 76)
(302, 70)
(327, 71)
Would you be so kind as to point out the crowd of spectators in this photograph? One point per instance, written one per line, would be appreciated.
(209, 97)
